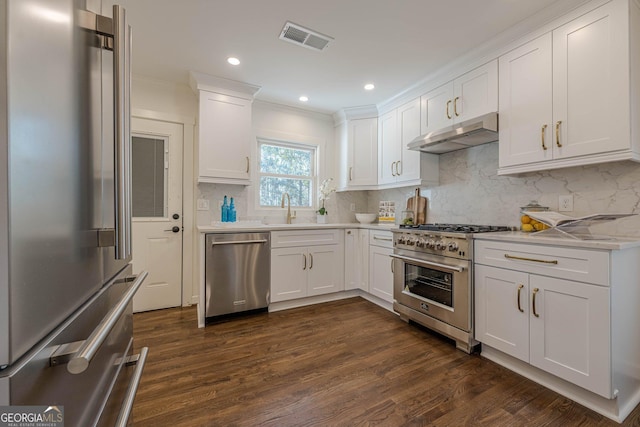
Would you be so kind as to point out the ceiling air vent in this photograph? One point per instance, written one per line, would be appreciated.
(304, 37)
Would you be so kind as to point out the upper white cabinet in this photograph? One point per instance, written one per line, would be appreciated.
(357, 138)
(470, 95)
(224, 138)
(567, 97)
(397, 165)
(362, 157)
(224, 129)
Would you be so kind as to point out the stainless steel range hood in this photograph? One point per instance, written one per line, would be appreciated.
(466, 134)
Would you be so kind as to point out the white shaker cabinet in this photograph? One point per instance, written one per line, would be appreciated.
(381, 264)
(471, 95)
(306, 263)
(557, 325)
(224, 138)
(224, 131)
(563, 314)
(356, 259)
(361, 166)
(397, 165)
(567, 97)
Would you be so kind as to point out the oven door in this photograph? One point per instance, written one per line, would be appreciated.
(436, 286)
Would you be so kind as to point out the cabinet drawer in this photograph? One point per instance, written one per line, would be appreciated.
(582, 265)
(381, 238)
(287, 239)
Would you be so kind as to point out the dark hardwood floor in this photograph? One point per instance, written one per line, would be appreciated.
(343, 363)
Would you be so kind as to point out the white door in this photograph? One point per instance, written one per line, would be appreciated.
(156, 151)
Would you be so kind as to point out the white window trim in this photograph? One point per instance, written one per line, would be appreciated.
(285, 137)
(314, 173)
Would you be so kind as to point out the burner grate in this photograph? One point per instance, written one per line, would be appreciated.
(458, 228)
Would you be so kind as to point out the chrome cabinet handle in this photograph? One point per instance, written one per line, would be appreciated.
(305, 261)
(392, 269)
(81, 360)
(535, 291)
(448, 115)
(530, 259)
(544, 130)
(247, 164)
(238, 242)
(310, 261)
(386, 239)
(455, 106)
(121, 64)
(127, 405)
(519, 291)
(558, 123)
(351, 173)
(392, 172)
(421, 262)
(398, 168)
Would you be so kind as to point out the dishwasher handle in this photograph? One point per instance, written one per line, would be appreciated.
(239, 242)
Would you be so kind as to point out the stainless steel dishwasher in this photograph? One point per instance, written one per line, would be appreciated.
(237, 273)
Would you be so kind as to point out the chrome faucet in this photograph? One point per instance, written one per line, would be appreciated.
(289, 216)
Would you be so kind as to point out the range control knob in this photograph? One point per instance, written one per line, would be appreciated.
(411, 241)
(431, 244)
(453, 246)
(421, 243)
(440, 245)
(401, 240)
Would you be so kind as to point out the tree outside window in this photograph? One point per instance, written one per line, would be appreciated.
(286, 168)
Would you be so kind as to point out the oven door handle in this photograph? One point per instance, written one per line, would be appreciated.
(427, 263)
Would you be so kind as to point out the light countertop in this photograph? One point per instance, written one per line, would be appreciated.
(253, 227)
(557, 239)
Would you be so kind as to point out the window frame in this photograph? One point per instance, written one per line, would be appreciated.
(315, 168)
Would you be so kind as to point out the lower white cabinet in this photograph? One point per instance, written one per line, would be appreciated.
(381, 264)
(299, 270)
(356, 259)
(557, 325)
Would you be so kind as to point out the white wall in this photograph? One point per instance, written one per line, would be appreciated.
(163, 97)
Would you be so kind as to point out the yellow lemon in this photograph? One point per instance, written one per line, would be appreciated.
(534, 222)
(526, 219)
(527, 227)
(538, 226)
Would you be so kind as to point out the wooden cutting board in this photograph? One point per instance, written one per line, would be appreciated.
(418, 205)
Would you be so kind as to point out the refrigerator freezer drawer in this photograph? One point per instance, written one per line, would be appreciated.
(34, 381)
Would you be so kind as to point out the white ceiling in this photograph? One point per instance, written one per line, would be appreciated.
(392, 43)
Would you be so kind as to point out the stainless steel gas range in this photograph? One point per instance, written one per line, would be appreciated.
(433, 278)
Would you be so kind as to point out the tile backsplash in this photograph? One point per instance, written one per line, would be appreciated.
(470, 191)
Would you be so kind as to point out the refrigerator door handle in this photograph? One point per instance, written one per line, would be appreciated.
(122, 84)
(127, 406)
(88, 349)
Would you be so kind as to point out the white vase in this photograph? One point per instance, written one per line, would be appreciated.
(321, 219)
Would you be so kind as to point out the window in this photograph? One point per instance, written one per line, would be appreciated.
(286, 168)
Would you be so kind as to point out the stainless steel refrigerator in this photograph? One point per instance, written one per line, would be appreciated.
(66, 283)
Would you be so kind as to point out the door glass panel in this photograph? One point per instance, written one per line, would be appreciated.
(149, 176)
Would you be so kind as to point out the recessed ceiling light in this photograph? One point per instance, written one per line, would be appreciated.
(233, 61)
(369, 86)
(303, 98)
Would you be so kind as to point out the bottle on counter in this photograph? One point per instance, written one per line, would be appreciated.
(232, 212)
(225, 210)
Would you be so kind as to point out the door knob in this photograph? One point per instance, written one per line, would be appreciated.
(175, 229)
(176, 216)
